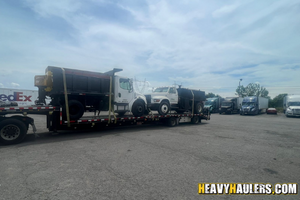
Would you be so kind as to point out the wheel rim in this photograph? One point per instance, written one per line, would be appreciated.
(139, 109)
(10, 132)
(164, 108)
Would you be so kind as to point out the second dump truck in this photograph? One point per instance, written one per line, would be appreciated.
(164, 99)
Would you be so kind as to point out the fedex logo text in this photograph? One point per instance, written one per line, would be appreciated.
(17, 96)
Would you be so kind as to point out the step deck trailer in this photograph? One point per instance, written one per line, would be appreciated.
(14, 128)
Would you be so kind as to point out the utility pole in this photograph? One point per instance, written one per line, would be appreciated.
(240, 86)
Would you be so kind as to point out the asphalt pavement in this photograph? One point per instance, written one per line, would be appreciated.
(153, 161)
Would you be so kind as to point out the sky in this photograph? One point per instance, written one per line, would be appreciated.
(206, 45)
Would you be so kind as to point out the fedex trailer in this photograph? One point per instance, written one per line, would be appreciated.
(20, 96)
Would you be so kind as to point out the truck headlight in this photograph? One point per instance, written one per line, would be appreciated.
(156, 100)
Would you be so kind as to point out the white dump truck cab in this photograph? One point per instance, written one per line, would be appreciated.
(126, 99)
(162, 99)
(291, 105)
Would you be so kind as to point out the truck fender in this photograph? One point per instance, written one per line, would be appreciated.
(140, 98)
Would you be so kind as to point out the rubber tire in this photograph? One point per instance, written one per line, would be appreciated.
(19, 124)
(171, 122)
(138, 109)
(160, 108)
(195, 120)
(76, 110)
(198, 108)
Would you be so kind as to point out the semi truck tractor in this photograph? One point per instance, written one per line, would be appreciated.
(231, 105)
(291, 105)
(164, 99)
(77, 91)
(254, 105)
(213, 104)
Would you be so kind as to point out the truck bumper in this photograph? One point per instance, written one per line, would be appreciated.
(248, 112)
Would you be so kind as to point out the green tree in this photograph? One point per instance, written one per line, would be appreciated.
(252, 89)
(211, 95)
(277, 101)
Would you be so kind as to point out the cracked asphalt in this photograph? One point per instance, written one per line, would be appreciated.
(152, 161)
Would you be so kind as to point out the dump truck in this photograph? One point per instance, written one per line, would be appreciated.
(164, 99)
(231, 105)
(77, 91)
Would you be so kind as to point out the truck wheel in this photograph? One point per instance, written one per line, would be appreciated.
(12, 131)
(195, 120)
(198, 108)
(171, 121)
(164, 108)
(138, 109)
(76, 110)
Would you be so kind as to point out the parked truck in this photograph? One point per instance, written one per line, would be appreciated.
(231, 105)
(164, 99)
(213, 104)
(77, 91)
(254, 105)
(291, 105)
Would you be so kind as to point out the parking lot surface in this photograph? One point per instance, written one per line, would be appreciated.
(152, 161)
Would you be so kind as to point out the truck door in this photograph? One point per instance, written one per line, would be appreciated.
(172, 95)
(123, 91)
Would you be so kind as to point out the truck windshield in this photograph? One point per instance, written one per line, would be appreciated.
(209, 102)
(226, 103)
(248, 103)
(125, 84)
(163, 89)
(294, 104)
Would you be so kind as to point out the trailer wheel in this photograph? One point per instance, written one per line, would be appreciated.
(138, 109)
(12, 131)
(198, 108)
(164, 108)
(171, 121)
(195, 120)
(76, 110)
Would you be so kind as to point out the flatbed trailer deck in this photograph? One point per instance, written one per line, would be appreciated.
(14, 128)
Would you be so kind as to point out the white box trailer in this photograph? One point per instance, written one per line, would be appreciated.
(263, 103)
(20, 96)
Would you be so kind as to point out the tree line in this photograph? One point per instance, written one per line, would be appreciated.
(255, 89)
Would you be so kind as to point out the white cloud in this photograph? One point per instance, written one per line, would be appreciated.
(224, 10)
(202, 44)
(14, 85)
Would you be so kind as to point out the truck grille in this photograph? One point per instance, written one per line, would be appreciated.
(296, 111)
